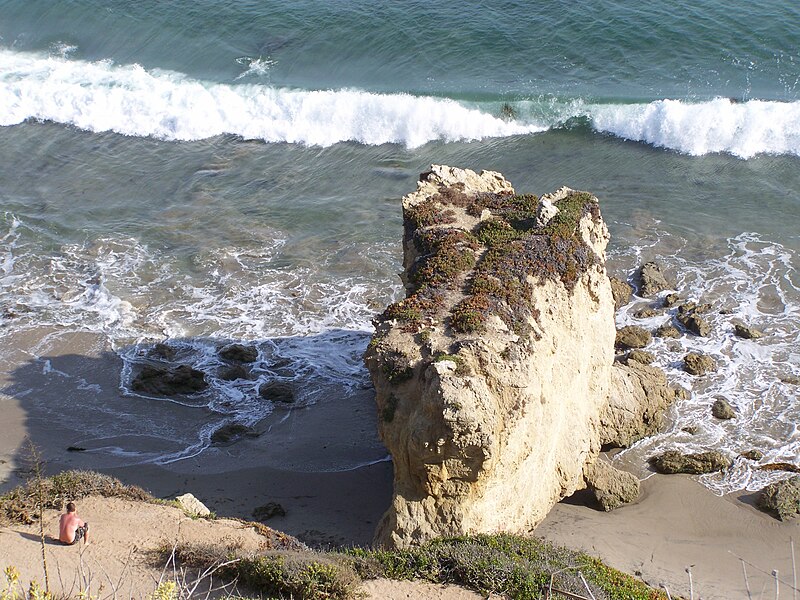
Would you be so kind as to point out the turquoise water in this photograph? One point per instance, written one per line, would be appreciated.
(213, 171)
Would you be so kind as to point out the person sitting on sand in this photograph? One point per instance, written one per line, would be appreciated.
(71, 528)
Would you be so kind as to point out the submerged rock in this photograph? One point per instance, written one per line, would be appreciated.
(667, 330)
(611, 487)
(268, 511)
(746, 332)
(239, 353)
(673, 461)
(782, 498)
(621, 291)
(169, 381)
(695, 363)
(231, 432)
(277, 392)
(233, 372)
(722, 409)
(652, 280)
(632, 336)
(752, 454)
(164, 351)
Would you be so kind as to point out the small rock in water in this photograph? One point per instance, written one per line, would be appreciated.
(697, 325)
(164, 351)
(165, 381)
(645, 313)
(268, 510)
(691, 429)
(641, 356)
(681, 393)
(672, 462)
(232, 432)
(748, 333)
(782, 498)
(277, 392)
(722, 409)
(632, 336)
(791, 379)
(667, 331)
(695, 363)
(621, 291)
(752, 454)
(233, 372)
(239, 353)
(671, 300)
(652, 280)
(780, 466)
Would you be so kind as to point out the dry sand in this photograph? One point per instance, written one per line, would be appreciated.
(298, 462)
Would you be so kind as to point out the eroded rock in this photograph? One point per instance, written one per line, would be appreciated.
(695, 363)
(169, 381)
(632, 336)
(652, 280)
(722, 409)
(747, 332)
(239, 353)
(673, 461)
(667, 330)
(781, 499)
(611, 487)
(641, 356)
(695, 323)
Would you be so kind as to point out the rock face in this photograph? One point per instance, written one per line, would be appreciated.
(493, 374)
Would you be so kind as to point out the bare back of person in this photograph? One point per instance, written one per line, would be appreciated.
(71, 528)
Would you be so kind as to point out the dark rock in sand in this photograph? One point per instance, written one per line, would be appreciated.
(673, 461)
(748, 333)
(276, 392)
(652, 280)
(667, 331)
(233, 372)
(269, 510)
(166, 381)
(75, 449)
(696, 324)
(722, 409)
(632, 336)
(232, 432)
(782, 498)
(645, 313)
(641, 356)
(611, 487)
(671, 300)
(621, 291)
(752, 454)
(695, 363)
(239, 353)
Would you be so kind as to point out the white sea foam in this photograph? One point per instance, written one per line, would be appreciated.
(102, 96)
(743, 129)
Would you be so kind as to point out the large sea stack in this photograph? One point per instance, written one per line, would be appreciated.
(494, 375)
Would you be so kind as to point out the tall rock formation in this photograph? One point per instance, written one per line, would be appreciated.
(493, 375)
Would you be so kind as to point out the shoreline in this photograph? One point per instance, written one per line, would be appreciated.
(298, 464)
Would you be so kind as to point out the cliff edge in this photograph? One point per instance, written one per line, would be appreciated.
(494, 374)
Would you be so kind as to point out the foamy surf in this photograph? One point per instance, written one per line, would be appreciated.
(755, 283)
(102, 96)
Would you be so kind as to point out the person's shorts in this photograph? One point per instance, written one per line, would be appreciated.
(80, 533)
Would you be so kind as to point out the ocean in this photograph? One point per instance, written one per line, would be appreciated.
(204, 172)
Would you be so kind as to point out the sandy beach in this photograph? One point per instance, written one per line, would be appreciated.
(296, 462)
